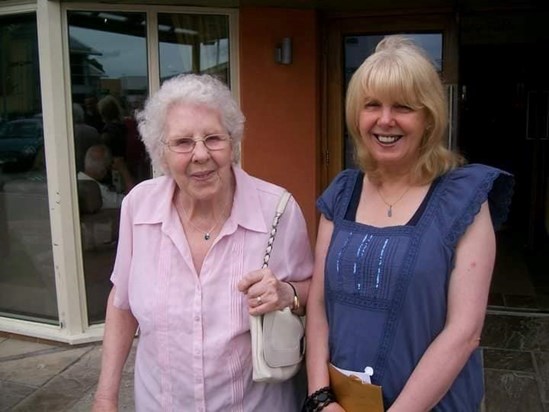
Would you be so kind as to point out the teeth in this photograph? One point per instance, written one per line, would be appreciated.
(387, 139)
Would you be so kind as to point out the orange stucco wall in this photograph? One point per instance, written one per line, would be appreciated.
(280, 102)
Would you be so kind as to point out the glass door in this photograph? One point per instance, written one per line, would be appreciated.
(110, 70)
(109, 81)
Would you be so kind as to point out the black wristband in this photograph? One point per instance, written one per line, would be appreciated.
(318, 400)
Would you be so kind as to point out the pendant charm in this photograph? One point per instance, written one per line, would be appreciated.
(207, 236)
(390, 211)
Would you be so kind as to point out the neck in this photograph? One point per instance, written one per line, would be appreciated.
(396, 173)
(204, 216)
(392, 191)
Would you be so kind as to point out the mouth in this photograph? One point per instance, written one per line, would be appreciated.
(387, 139)
(203, 175)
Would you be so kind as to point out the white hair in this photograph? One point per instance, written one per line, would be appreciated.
(192, 89)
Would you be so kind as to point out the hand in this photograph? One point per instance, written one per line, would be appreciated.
(265, 292)
(104, 405)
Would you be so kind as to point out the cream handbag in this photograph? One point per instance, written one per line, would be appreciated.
(278, 338)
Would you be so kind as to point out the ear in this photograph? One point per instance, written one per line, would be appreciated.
(235, 153)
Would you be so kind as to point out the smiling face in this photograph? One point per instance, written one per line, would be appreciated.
(391, 132)
(202, 174)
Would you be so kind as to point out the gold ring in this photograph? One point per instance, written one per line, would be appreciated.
(259, 300)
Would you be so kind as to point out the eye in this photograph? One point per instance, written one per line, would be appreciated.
(183, 143)
(214, 139)
(402, 108)
(371, 104)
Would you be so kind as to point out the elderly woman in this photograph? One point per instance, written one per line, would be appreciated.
(405, 248)
(186, 272)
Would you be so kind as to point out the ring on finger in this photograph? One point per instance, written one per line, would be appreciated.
(259, 300)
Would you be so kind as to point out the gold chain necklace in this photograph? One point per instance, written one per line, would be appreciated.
(390, 205)
(208, 233)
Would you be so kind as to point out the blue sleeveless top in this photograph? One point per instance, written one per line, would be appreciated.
(386, 288)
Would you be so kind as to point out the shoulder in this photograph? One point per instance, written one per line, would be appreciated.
(477, 183)
(150, 198)
(253, 187)
(334, 200)
(463, 191)
(152, 187)
(255, 201)
(477, 172)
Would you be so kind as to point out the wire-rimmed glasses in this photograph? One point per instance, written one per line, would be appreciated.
(216, 141)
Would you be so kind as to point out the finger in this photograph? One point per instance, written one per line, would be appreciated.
(250, 279)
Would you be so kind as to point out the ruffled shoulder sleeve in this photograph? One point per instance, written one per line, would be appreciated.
(465, 189)
(335, 199)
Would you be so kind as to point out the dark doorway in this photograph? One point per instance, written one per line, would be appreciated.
(504, 123)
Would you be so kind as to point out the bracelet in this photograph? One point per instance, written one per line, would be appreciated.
(296, 304)
(318, 400)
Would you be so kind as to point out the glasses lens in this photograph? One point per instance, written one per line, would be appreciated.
(181, 145)
(215, 141)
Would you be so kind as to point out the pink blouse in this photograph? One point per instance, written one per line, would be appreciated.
(194, 349)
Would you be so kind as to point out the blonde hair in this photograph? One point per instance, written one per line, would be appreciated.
(399, 70)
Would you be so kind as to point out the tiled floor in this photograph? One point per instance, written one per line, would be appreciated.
(36, 376)
(516, 362)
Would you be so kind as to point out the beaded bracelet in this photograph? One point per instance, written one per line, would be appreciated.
(319, 400)
(296, 304)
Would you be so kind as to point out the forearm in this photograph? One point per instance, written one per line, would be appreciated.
(435, 373)
(318, 354)
(120, 328)
(317, 344)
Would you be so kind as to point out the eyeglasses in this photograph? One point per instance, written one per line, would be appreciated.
(212, 142)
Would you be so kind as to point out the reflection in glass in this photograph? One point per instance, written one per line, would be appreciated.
(109, 81)
(358, 48)
(192, 43)
(27, 276)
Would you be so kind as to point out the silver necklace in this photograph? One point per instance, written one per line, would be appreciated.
(390, 205)
(207, 234)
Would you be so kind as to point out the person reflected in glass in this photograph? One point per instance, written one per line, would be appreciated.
(114, 130)
(85, 136)
(91, 113)
(405, 247)
(98, 163)
(187, 268)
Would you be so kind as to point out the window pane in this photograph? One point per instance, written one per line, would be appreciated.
(27, 276)
(191, 43)
(109, 81)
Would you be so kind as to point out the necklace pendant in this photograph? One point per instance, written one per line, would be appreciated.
(207, 236)
(390, 211)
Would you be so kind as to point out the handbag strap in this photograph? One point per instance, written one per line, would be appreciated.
(279, 211)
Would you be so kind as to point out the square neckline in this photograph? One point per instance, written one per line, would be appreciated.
(354, 200)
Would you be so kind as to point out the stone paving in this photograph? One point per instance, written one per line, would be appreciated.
(37, 376)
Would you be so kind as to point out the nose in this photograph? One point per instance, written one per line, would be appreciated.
(200, 152)
(386, 117)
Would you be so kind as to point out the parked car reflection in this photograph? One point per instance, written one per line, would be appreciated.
(20, 142)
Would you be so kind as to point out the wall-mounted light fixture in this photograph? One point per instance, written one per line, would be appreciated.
(283, 51)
